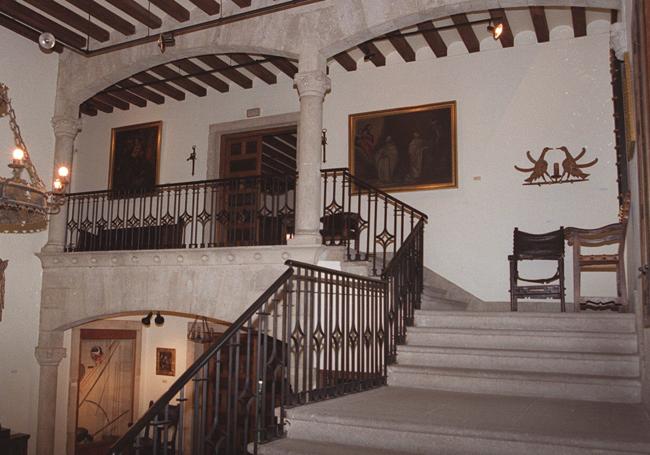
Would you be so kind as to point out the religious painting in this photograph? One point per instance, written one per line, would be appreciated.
(3, 267)
(135, 156)
(405, 149)
(165, 361)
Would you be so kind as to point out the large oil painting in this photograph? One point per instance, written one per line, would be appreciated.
(405, 149)
(135, 154)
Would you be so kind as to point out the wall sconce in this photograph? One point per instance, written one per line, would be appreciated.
(159, 320)
(166, 40)
(146, 321)
(495, 30)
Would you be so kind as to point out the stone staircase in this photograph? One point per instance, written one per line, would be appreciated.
(491, 383)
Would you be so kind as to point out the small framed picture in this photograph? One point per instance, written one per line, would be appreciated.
(165, 361)
(135, 157)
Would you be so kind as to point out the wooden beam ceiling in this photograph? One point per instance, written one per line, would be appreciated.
(234, 75)
(346, 61)
(285, 66)
(466, 32)
(401, 46)
(175, 10)
(208, 79)
(499, 15)
(207, 6)
(242, 3)
(27, 32)
(579, 20)
(372, 53)
(105, 15)
(433, 39)
(178, 79)
(71, 18)
(540, 24)
(137, 12)
(255, 68)
(143, 92)
(162, 87)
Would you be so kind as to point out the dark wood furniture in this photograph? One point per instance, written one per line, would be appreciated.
(537, 247)
(612, 234)
(340, 227)
(132, 238)
(15, 444)
(160, 432)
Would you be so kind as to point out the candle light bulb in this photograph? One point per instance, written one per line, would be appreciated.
(63, 172)
(18, 154)
(58, 185)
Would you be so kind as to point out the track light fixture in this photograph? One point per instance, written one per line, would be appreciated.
(495, 30)
(146, 321)
(159, 320)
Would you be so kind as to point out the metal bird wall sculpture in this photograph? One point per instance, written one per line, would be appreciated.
(571, 169)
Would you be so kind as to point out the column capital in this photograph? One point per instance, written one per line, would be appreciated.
(618, 39)
(66, 126)
(312, 83)
(47, 356)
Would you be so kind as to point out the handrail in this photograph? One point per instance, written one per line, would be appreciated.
(393, 199)
(317, 268)
(192, 370)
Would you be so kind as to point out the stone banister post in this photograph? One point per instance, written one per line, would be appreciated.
(65, 131)
(49, 354)
(312, 87)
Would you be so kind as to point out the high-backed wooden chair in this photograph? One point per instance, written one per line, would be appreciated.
(612, 234)
(536, 247)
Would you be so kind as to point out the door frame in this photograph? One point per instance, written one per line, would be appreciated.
(73, 382)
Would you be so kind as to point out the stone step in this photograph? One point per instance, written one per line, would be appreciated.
(575, 322)
(540, 340)
(618, 365)
(517, 383)
(433, 292)
(435, 304)
(414, 421)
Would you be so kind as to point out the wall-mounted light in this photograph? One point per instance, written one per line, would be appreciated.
(166, 40)
(159, 320)
(146, 321)
(495, 30)
(46, 41)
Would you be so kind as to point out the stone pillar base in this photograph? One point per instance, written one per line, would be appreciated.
(305, 239)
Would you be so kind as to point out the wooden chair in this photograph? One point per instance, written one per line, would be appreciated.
(612, 234)
(535, 247)
(163, 432)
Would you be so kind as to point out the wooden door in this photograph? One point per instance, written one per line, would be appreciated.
(242, 159)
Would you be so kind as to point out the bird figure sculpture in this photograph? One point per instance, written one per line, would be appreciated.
(539, 169)
(570, 166)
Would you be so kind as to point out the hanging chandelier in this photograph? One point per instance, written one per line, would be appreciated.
(200, 331)
(25, 203)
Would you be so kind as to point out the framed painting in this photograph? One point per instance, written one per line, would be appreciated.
(165, 361)
(405, 149)
(135, 157)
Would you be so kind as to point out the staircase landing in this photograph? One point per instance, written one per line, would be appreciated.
(393, 420)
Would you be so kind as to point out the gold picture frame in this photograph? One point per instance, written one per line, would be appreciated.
(629, 109)
(405, 149)
(135, 158)
(165, 361)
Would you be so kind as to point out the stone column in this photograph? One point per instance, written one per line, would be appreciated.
(49, 354)
(312, 86)
(618, 39)
(65, 131)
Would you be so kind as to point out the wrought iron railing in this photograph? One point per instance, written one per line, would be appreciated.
(212, 213)
(314, 334)
(370, 223)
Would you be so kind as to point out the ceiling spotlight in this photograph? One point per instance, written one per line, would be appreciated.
(495, 30)
(147, 319)
(46, 41)
(159, 320)
(166, 40)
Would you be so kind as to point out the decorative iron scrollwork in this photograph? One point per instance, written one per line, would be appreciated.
(571, 169)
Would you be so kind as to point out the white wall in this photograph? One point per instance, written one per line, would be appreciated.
(31, 78)
(508, 101)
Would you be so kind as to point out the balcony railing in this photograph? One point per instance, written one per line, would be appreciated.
(243, 211)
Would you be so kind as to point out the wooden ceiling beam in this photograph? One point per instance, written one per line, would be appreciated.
(87, 109)
(208, 79)
(172, 8)
(346, 61)
(141, 91)
(433, 38)
(224, 68)
(27, 32)
(255, 68)
(401, 46)
(538, 16)
(289, 138)
(162, 87)
(127, 96)
(31, 18)
(499, 15)
(286, 66)
(278, 157)
(289, 151)
(208, 6)
(179, 80)
(242, 3)
(100, 106)
(105, 15)
(112, 101)
(137, 12)
(579, 19)
(466, 32)
(72, 19)
(372, 53)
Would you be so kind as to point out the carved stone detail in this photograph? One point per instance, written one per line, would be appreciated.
(312, 83)
(65, 126)
(618, 39)
(49, 356)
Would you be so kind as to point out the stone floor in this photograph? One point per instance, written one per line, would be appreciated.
(562, 426)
